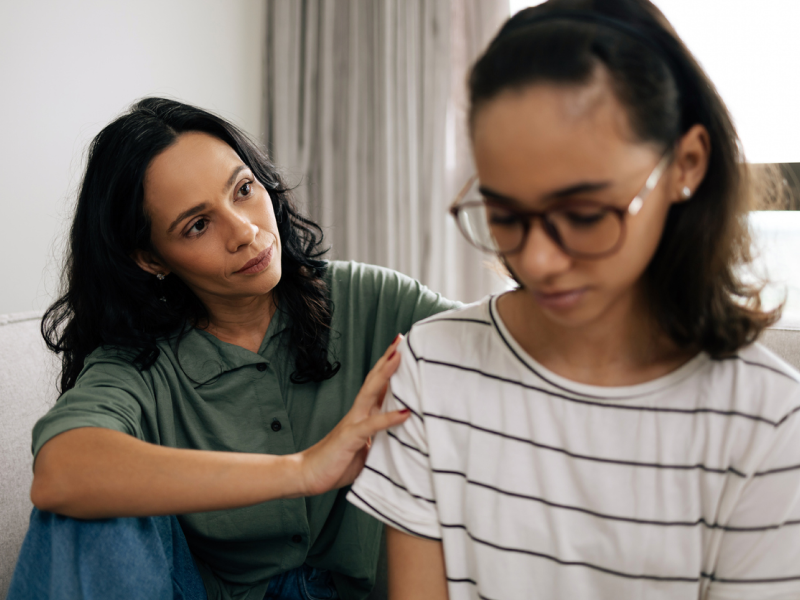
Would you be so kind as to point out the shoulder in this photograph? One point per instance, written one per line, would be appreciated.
(108, 365)
(454, 334)
(111, 359)
(347, 274)
(758, 382)
(356, 283)
(761, 362)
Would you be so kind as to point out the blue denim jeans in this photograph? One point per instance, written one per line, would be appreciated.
(303, 583)
(128, 559)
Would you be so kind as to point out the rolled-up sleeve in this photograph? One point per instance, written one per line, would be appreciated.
(109, 393)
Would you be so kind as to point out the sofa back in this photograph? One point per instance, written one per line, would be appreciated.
(28, 375)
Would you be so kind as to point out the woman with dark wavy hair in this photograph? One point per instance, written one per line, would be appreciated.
(210, 362)
(609, 429)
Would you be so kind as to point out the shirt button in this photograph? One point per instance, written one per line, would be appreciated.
(276, 425)
(261, 367)
(297, 539)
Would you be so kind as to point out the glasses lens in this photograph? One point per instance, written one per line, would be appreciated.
(490, 228)
(587, 229)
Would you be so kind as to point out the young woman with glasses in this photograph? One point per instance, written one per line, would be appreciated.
(608, 429)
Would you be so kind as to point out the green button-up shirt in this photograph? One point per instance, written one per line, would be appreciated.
(210, 395)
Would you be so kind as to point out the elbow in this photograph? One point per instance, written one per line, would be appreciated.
(46, 494)
(50, 490)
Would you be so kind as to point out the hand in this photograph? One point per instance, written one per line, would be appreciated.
(338, 458)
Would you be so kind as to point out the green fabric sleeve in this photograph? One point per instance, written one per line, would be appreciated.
(109, 393)
(382, 303)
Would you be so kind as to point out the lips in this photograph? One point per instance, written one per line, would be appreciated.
(560, 300)
(259, 263)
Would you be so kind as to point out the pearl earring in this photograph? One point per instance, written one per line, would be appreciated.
(160, 276)
(686, 192)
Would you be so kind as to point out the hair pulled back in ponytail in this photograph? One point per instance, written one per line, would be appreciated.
(694, 282)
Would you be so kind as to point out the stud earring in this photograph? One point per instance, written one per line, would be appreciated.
(686, 192)
(160, 276)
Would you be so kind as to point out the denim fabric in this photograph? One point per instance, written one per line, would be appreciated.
(302, 583)
(109, 559)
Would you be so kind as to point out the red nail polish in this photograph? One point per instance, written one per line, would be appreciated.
(397, 337)
(405, 411)
(391, 356)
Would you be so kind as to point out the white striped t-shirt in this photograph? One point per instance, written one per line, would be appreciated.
(687, 486)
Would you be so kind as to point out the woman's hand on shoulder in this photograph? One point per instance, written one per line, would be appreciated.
(338, 458)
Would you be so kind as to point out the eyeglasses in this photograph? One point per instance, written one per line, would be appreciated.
(582, 229)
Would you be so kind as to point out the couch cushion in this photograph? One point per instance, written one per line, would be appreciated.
(27, 389)
(784, 340)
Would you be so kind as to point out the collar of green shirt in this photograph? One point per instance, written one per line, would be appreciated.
(204, 357)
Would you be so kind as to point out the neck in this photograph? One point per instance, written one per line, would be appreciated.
(240, 321)
(623, 346)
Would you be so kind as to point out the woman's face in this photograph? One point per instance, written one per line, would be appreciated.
(548, 144)
(212, 221)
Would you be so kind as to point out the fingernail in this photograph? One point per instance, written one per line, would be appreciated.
(405, 411)
(397, 338)
(391, 356)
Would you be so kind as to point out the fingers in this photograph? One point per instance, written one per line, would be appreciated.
(374, 424)
(374, 388)
(381, 398)
(393, 347)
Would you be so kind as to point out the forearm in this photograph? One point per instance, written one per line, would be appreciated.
(92, 473)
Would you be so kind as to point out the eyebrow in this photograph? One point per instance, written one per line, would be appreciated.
(201, 207)
(232, 178)
(186, 214)
(579, 188)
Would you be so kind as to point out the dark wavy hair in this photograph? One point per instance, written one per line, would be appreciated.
(109, 301)
(693, 282)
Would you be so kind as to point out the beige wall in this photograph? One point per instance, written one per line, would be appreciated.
(67, 67)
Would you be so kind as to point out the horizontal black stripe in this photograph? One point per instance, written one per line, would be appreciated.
(471, 582)
(778, 470)
(655, 409)
(613, 461)
(459, 319)
(752, 363)
(388, 518)
(794, 411)
(405, 404)
(407, 445)
(402, 487)
(711, 577)
(765, 580)
(462, 580)
(599, 515)
(568, 563)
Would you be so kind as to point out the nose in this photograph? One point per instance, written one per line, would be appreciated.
(242, 232)
(540, 256)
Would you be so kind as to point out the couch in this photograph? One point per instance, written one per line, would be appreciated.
(28, 375)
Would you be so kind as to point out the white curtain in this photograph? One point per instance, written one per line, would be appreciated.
(365, 112)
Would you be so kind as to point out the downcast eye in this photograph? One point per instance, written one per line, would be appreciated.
(503, 218)
(581, 216)
(198, 227)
